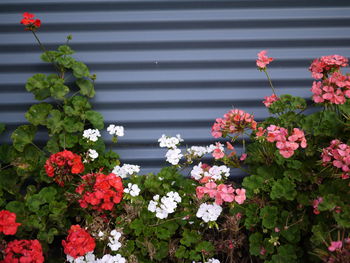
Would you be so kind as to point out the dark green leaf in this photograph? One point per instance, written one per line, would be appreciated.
(86, 87)
(37, 114)
(80, 70)
(22, 136)
(95, 118)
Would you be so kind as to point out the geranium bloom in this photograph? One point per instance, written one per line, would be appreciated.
(335, 245)
(321, 66)
(224, 193)
(100, 191)
(62, 165)
(23, 251)
(78, 242)
(8, 223)
(235, 121)
(29, 21)
(240, 196)
(269, 100)
(263, 60)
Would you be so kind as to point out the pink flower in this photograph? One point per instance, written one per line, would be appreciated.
(269, 100)
(210, 189)
(243, 157)
(335, 245)
(218, 152)
(240, 197)
(224, 193)
(263, 60)
(277, 229)
(261, 131)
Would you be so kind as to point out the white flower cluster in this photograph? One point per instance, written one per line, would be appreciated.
(91, 134)
(198, 151)
(116, 130)
(209, 212)
(173, 155)
(215, 172)
(169, 142)
(166, 206)
(91, 258)
(126, 170)
(114, 243)
(132, 189)
(213, 260)
(92, 154)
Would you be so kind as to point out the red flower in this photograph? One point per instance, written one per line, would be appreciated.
(23, 251)
(62, 165)
(100, 191)
(78, 242)
(8, 223)
(29, 21)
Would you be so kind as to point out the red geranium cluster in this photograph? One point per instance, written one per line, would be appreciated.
(29, 21)
(333, 86)
(100, 191)
(78, 242)
(235, 121)
(23, 251)
(286, 143)
(269, 100)
(62, 165)
(338, 154)
(8, 223)
(263, 60)
(221, 193)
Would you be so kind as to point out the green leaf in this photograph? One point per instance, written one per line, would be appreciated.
(22, 136)
(269, 215)
(39, 86)
(8, 180)
(47, 194)
(80, 70)
(66, 62)
(52, 145)
(283, 188)
(190, 237)
(86, 87)
(95, 118)
(65, 49)
(54, 122)
(181, 252)
(72, 124)
(34, 202)
(59, 90)
(38, 113)
(5, 153)
(2, 127)
(68, 140)
(286, 254)
(255, 243)
(16, 207)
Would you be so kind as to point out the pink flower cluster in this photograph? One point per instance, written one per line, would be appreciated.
(263, 60)
(286, 143)
(235, 121)
(323, 65)
(315, 204)
(333, 86)
(219, 152)
(335, 245)
(221, 193)
(269, 100)
(337, 154)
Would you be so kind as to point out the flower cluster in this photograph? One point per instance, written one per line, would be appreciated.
(269, 100)
(132, 189)
(30, 21)
(337, 154)
(263, 60)
(221, 193)
(26, 251)
(286, 143)
(209, 212)
(93, 154)
(126, 170)
(100, 191)
(114, 243)
(8, 224)
(205, 173)
(173, 154)
(91, 258)
(235, 121)
(165, 206)
(62, 165)
(91, 135)
(78, 242)
(321, 66)
(116, 130)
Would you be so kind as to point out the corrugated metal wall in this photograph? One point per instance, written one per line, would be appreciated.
(172, 66)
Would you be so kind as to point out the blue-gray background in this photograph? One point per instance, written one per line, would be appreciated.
(171, 66)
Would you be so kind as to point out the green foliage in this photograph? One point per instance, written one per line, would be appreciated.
(23, 136)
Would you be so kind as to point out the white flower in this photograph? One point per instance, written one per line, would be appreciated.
(161, 213)
(116, 130)
(173, 156)
(175, 196)
(92, 154)
(169, 142)
(209, 212)
(213, 260)
(152, 206)
(126, 170)
(132, 189)
(101, 234)
(114, 243)
(216, 172)
(111, 259)
(197, 172)
(91, 134)
(87, 258)
(197, 151)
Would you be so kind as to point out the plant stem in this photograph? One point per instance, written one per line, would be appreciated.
(39, 42)
(269, 79)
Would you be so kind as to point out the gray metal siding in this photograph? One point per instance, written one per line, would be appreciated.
(166, 66)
